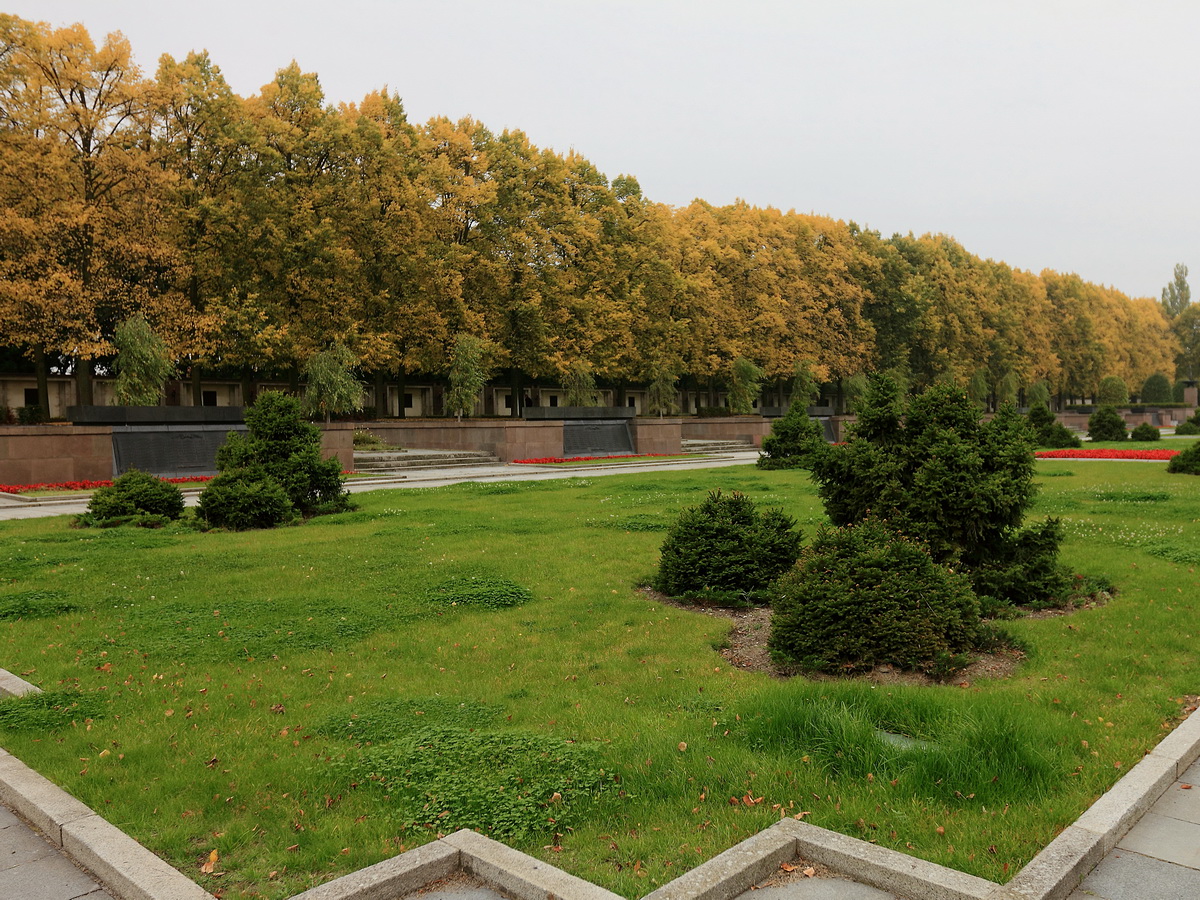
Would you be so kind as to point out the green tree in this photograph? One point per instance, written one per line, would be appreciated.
(660, 394)
(143, 363)
(1157, 389)
(1113, 391)
(580, 385)
(1177, 295)
(1186, 328)
(744, 385)
(330, 386)
(468, 375)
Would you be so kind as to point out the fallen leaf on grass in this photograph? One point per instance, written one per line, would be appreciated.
(211, 863)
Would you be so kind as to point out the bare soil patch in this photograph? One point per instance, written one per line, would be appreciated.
(750, 627)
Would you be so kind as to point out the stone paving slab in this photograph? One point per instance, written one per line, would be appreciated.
(1179, 802)
(1131, 876)
(818, 889)
(1170, 840)
(31, 868)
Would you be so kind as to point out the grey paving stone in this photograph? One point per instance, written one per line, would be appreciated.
(1180, 803)
(1131, 876)
(19, 846)
(7, 818)
(819, 889)
(1170, 840)
(51, 877)
(1192, 775)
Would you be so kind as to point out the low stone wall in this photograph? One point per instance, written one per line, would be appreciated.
(508, 439)
(36, 454)
(656, 435)
(727, 428)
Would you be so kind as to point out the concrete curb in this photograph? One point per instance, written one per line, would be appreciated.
(393, 877)
(12, 686)
(519, 875)
(735, 870)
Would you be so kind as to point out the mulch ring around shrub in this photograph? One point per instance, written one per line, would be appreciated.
(746, 649)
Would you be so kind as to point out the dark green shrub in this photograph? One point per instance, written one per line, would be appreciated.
(1049, 432)
(935, 471)
(134, 498)
(31, 415)
(1188, 427)
(1113, 391)
(1024, 571)
(793, 437)
(726, 550)
(863, 595)
(239, 499)
(1187, 462)
(1156, 389)
(1145, 432)
(1106, 424)
(282, 448)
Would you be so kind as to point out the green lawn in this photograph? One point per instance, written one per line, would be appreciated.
(311, 700)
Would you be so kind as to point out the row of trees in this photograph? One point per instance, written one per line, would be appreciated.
(253, 234)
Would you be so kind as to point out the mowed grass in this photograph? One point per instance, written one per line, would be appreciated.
(312, 700)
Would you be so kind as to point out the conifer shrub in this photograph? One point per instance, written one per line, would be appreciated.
(1106, 424)
(863, 595)
(1024, 571)
(793, 437)
(1187, 462)
(1145, 432)
(1156, 389)
(134, 498)
(1187, 427)
(726, 551)
(1049, 432)
(936, 472)
(279, 456)
(244, 498)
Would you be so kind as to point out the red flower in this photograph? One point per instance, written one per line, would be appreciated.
(1087, 453)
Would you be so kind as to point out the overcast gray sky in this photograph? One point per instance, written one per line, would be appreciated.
(1045, 133)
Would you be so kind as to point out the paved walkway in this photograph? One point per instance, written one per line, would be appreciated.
(1159, 857)
(32, 868)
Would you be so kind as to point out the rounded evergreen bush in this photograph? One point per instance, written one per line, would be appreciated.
(1188, 427)
(726, 550)
(1187, 462)
(792, 439)
(863, 595)
(1049, 432)
(136, 497)
(1106, 424)
(1145, 432)
(240, 499)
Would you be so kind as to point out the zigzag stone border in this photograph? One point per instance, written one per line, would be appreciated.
(131, 872)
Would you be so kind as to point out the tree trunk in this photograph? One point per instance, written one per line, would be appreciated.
(83, 382)
(401, 390)
(197, 392)
(42, 372)
(381, 397)
(515, 393)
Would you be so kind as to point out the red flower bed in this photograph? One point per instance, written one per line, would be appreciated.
(85, 485)
(547, 460)
(1106, 454)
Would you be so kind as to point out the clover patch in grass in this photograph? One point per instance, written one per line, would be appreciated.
(33, 605)
(509, 785)
(480, 591)
(48, 711)
(381, 721)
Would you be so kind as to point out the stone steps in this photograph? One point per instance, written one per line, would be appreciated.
(699, 446)
(385, 462)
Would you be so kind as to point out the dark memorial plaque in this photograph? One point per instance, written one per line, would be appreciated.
(597, 437)
(169, 451)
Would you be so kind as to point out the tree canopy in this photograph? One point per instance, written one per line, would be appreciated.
(252, 233)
